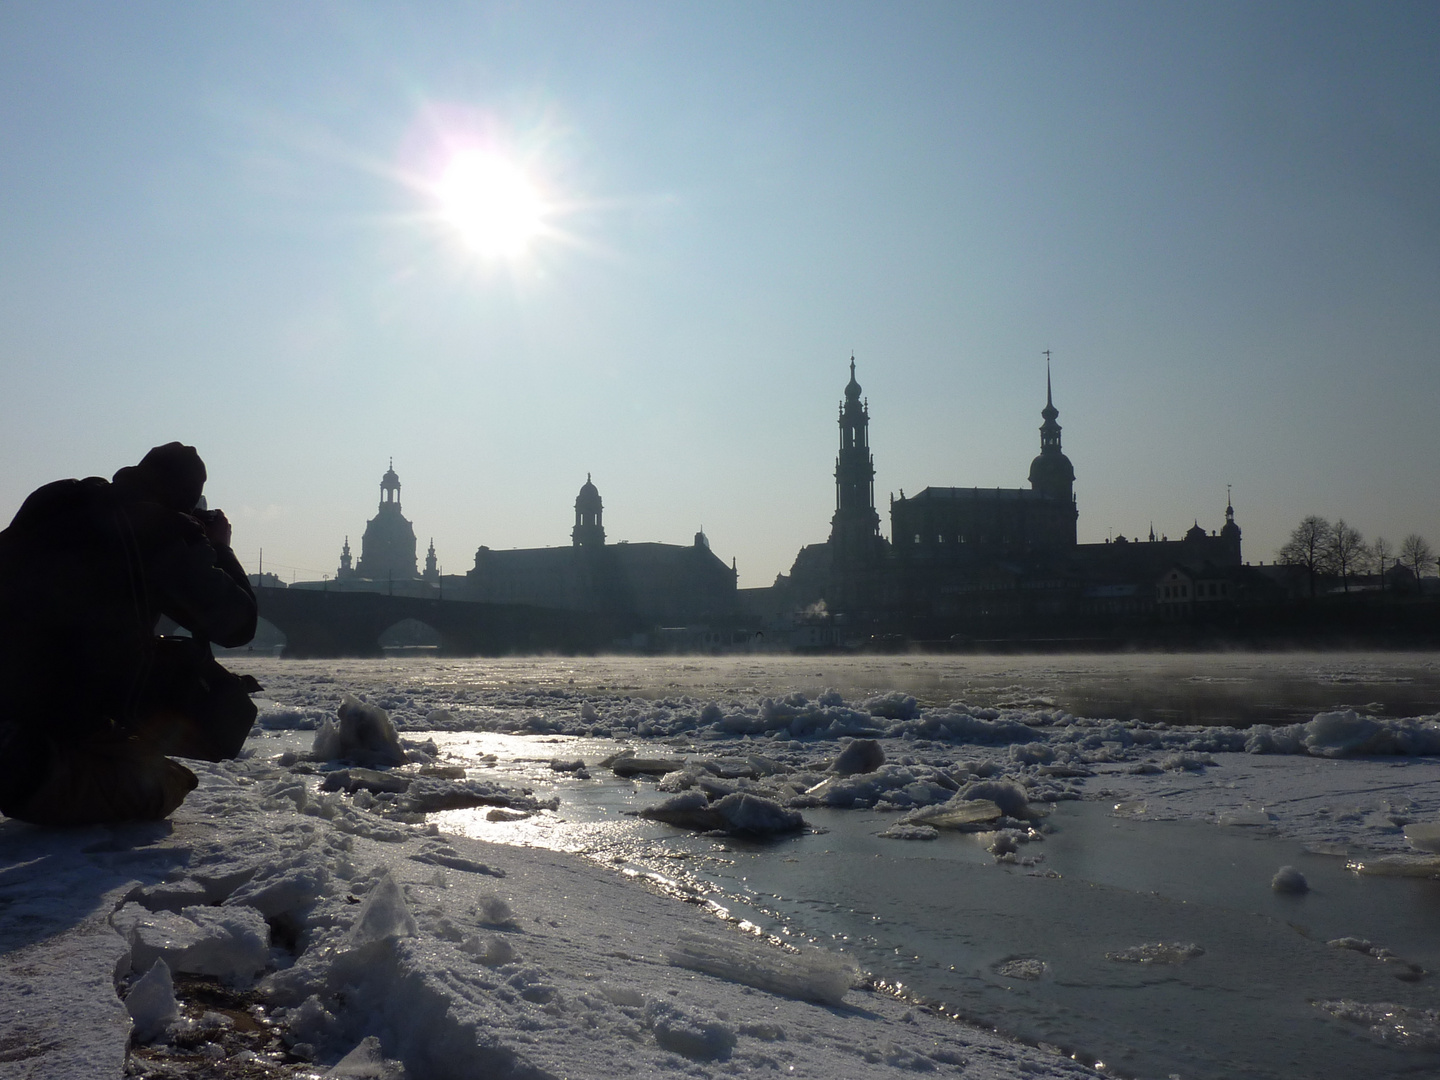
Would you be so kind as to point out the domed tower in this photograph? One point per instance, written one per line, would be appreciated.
(1230, 532)
(432, 563)
(346, 571)
(387, 550)
(390, 487)
(856, 548)
(855, 528)
(589, 512)
(1051, 472)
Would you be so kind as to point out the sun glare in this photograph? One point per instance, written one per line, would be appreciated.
(492, 203)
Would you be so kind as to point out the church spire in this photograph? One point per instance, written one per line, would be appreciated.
(1049, 413)
(1051, 473)
(1049, 430)
(852, 388)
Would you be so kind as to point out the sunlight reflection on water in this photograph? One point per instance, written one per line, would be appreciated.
(1023, 949)
(1031, 950)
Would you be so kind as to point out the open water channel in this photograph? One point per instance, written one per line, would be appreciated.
(1028, 950)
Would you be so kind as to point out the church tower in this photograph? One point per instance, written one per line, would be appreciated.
(432, 564)
(387, 550)
(589, 512)
(1052, 474)
(1230, 532)
(855, 542)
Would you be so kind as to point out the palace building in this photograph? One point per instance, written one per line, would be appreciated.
(958, 557)
(637, 585)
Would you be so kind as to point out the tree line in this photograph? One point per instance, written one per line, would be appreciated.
(1338, 550)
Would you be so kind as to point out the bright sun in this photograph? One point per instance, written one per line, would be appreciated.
(494, 205)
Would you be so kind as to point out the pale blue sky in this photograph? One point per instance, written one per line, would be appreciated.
(1224, 219)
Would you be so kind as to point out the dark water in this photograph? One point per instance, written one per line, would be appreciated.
(943, 918)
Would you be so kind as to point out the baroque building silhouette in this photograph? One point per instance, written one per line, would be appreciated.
(968, 558)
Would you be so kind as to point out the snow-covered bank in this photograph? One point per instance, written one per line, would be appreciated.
(332, 910)
(464, 958)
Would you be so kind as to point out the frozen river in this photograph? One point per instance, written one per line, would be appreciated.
(1045, 946)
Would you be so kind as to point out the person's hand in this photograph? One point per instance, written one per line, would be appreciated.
(217, 528)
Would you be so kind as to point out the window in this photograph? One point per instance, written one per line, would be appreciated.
(917, 538)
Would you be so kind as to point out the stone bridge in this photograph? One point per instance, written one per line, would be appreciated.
(321, 623)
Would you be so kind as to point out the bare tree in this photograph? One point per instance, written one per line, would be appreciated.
(1308, 547)
(1346, 551)
(1381, 552)
(1416, 553)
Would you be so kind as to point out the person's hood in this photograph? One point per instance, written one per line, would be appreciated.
(172, 475)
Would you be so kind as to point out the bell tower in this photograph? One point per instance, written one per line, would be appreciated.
(1052, 474)
(589, 513)
(855, 542)
(390, 489)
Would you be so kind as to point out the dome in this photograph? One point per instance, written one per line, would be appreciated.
(1195, 532)
(1051, 471)
(852, 388)
(589, 493)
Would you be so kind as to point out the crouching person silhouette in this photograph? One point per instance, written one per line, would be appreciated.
(96, 702)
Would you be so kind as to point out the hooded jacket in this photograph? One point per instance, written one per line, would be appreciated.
(87, 567)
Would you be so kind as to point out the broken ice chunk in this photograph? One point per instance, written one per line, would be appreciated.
(958, 813)
(688, 810)
(1400, 1025)
(861, 756)
(385, 915)
(365, 735)
(151, 1002)
(682, 1032)
(365, 1062)
(492, 952)
(352, 780)
(810, 974)
(622, 995)
(1424, 835)
(289, 889)
(1289, 880)
(153, 935)
(493, 911)
(904, 831)
(1011, 798)
(1416, 866)
(173, 895)
(1029, 968)
(234, 943)
(1159, 952)
(1248, 816)
(752, 814)
(231, 943)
